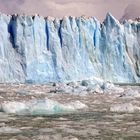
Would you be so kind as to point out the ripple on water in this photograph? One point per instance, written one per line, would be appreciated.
(94, 123)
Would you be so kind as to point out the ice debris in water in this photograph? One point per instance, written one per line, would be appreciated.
(40, 107)
(88, 86)
(109, 87)
(127, 107)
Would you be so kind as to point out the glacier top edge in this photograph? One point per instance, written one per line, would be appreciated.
(84, 17)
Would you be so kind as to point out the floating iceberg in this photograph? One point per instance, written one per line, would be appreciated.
(40, 107)
(125, 108)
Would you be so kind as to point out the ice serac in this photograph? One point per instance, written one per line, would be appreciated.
(10, 63)
(117, 64)
(35, 49)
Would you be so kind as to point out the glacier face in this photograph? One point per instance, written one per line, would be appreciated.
(38, 50)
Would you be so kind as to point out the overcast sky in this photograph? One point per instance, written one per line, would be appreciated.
(60, 8)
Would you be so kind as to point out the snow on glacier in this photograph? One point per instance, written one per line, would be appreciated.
(35, 49)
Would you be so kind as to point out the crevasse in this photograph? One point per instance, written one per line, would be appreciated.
(38, 50)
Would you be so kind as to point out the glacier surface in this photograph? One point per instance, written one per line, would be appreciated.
(34, 49)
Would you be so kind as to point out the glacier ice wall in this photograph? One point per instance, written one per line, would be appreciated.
(38, 50)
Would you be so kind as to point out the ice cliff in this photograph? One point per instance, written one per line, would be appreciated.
(35, 49)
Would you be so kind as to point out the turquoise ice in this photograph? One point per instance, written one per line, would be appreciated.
(35, 49)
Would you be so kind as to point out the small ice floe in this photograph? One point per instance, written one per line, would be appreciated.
(130, 94)
(102, 86)
(9, 130)
(92, 86)
(23, 93)
(13, 107)
(127, 107)
(40, 107)
(111, 88)
(73, 88)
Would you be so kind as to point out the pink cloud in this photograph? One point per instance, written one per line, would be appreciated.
(132, 11)
(60, 8)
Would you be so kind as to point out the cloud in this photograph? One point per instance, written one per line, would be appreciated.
(10, 6)
(132, 11)
(60, 8)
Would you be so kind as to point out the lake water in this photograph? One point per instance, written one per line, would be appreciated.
(96, 122)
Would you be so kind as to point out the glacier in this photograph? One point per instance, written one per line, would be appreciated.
(34, 49)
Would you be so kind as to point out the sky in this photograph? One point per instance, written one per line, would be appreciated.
(59, 8)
